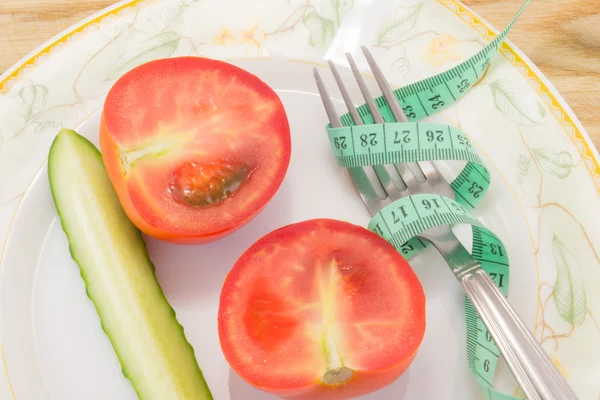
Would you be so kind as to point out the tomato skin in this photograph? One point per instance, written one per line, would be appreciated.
(237, 338)
(362, 383)
(110, 155)
(168, 224)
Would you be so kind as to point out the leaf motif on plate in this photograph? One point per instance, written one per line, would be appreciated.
(334, 10)
(523, 164)
(401, 65)
(34, 99)
(569, 291)
(162, 45)
(520, 107)
(402, 21)
(321, 30)
(559, 164)
(292, 19)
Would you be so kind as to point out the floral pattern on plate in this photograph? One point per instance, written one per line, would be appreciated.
(520, 123)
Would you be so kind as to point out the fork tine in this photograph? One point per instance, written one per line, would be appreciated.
(365, 183)
(388, 175)
(334, 120)
(410, 180)
(384, 86)
(396, 110)
(377, 172)
(431, 172)
(370, 172)
(346, 96)
(365, 90)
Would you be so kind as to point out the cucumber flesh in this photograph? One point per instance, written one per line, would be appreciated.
(119, 276)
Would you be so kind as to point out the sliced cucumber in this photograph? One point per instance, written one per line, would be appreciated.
(119, 276)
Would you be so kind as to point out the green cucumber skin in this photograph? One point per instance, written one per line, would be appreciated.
(190, 384)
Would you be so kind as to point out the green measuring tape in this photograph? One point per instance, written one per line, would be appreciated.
(402, 221)
(401, 142)
(426, 97)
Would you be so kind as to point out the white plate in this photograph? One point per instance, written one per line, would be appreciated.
(51, 341)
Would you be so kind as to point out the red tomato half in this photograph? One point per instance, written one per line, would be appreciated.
(194, 147)
(321, 309)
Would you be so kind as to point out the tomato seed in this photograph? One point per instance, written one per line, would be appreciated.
(206, 185)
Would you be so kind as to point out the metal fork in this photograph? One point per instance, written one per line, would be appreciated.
(534, 371)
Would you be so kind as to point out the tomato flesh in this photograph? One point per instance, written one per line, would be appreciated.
(194, 147)
(321, 309)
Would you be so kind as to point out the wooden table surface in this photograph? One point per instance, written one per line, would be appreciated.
(562, 37)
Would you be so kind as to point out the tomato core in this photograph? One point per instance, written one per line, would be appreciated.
(321, 309)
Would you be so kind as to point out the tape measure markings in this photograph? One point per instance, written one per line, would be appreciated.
(428, 96)
(401, 142)
(407, 218)
(402, 221)
(395, 142)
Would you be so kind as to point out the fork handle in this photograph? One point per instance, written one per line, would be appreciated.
(534, 371)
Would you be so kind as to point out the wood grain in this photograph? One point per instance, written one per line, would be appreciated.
(562, 37)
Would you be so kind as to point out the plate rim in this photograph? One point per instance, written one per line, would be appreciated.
(542, 86)
(470, 17)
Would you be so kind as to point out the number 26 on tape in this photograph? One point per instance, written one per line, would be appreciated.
(435, 136)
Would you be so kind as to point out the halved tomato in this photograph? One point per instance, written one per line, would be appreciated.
(194, 147)
(321, 309)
